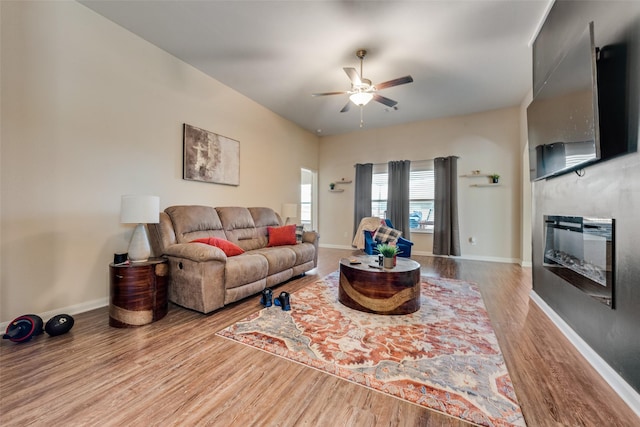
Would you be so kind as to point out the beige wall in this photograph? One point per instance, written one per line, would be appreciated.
(91, 112)
(489, 142)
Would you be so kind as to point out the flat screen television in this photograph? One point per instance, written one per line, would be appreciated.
(578, 116)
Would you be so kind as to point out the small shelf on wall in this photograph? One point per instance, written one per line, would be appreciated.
(477, 174)
(338, 182)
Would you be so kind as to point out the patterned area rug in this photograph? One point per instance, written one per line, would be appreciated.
(444, 357)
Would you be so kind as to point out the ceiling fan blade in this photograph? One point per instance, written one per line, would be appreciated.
(346, 107)
(353, 75)
(329, 93)
(394, 82)
(383, 100)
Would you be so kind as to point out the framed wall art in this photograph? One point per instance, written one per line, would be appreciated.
(209, 157)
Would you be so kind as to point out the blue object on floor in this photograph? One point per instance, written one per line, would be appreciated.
(283, 301)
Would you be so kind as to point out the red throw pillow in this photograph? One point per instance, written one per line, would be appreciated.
(227, 247)
(285, 235)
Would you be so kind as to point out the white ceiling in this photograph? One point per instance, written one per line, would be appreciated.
(464, 56)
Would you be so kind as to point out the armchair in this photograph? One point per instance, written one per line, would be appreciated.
(370, 244)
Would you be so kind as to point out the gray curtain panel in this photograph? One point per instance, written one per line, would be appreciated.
(362, 199)
(446, 234)
(398, 196)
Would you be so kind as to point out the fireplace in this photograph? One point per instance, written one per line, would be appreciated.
(581, 251)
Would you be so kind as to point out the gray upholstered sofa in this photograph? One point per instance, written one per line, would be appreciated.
(203, 277)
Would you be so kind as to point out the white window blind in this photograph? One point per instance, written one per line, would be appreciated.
(421, 194)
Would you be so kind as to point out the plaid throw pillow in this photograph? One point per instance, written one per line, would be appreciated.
(299, 231)
(386, 234)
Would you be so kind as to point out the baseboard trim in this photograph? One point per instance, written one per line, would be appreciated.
(327, 245)
(619, 385)
(71, 309)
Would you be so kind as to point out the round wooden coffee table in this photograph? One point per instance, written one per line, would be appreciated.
(379, 291)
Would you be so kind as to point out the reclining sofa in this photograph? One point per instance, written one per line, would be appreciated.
(205, 278)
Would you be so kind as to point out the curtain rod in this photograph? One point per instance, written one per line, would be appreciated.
(426, 160)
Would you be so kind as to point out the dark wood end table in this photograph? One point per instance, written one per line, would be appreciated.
(138, 293)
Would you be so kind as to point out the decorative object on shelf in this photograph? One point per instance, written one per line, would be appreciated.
(389, 253)
(289, 210)
(139, 210)
(495, 178)
(209, 157)
(332, 186)
(475, 172)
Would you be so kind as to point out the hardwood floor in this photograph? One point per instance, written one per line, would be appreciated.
(178, 372)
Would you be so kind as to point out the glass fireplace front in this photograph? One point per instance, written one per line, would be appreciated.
(581, 251)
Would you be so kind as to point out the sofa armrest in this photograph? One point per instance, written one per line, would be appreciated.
(369, 244)
(314, 238)
(199, 252)
(403, 241)
(310, 237)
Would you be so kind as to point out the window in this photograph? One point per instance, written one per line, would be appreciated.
(421, 194)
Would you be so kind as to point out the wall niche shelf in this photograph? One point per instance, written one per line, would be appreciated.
(477, 174)
(338, 182)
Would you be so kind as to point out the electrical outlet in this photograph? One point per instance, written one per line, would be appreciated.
(472, 240)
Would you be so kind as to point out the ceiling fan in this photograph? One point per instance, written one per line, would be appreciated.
(362, 90)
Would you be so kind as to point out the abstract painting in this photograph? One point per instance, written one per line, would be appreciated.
(209, 157)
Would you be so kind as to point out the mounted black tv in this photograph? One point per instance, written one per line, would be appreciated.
(578, 116)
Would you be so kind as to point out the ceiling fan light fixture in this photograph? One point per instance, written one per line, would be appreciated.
(361, 98)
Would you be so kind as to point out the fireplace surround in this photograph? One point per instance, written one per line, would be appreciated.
(581, 251)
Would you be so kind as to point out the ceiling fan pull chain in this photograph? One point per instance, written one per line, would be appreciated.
(361, 116)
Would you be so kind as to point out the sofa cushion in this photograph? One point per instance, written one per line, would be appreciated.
(280, 258)
(280, 236)
(245, 269)
(264, 217)
(194, 222)
(227, 247)
(239, 228)
(305, 252)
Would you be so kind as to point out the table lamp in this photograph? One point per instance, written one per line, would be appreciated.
(289, 210)
(140, 210)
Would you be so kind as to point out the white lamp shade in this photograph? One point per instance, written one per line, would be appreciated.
(140, 209)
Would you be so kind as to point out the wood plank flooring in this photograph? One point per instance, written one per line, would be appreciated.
(178, 372)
